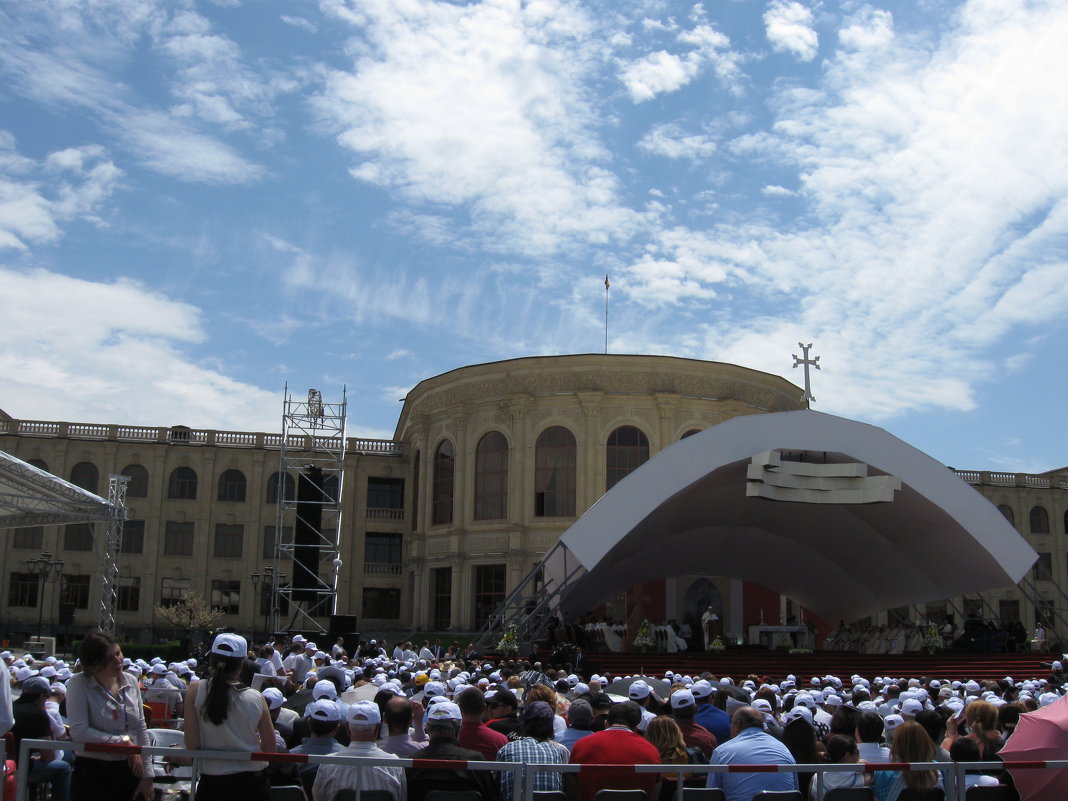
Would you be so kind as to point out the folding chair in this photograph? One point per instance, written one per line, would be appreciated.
(779, 795)
(987, 793)
(454, 795)
(850, 794)
(621, 795)
(703, 794)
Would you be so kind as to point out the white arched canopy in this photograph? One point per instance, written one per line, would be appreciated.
(838, 515)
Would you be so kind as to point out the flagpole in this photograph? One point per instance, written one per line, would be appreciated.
(607, 285)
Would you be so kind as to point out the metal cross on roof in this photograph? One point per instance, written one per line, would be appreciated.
(814, 362)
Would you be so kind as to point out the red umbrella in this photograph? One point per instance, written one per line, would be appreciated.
(1040, 736)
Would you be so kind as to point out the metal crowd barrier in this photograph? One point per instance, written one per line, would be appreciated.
(523, 786)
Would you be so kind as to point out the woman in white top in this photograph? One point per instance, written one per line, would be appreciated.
(224, 715)
(104, 706)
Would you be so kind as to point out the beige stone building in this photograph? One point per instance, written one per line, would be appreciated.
(489, 465)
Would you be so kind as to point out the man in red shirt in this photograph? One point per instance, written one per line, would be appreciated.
(683, 708)
(618, 744)
(474, 734)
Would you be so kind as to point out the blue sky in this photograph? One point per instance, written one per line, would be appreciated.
(202, 201)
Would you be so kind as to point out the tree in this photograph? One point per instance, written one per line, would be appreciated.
(190, 614)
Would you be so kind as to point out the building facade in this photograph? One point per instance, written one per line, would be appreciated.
(488, 466)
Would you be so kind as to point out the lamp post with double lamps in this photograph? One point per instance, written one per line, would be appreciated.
(46, 569)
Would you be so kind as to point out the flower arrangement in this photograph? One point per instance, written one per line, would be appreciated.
(932, 639)
(509, 644)
(717, 645)
(643, 640)
(800, 650)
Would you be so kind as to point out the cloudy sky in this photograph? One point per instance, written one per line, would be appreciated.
(202, 201)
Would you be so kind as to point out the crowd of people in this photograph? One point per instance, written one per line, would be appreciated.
(449, 705)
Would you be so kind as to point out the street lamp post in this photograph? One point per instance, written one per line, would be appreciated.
(269, 580)
(46, 569)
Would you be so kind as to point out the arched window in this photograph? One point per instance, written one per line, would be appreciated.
(40, 464)
(628, 449)
(85, 475)
(272, 488)
(1007, 512)
(182, 484)
(330, 490)
(415, 492)
(690, 433)
(444, 470)
(491, 477)
(1039, 520)
(232, 486)
(137, 486)
(554, 473)
(1066, 522)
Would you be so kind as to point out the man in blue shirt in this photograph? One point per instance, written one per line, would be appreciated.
(750, 745)
(708, 715)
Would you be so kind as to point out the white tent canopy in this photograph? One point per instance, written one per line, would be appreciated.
(30, 496)
(838, 515)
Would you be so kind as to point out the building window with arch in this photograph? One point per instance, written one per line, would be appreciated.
(491, 477)
(415, 492)
(272, 488)
(137, 486)
(1039, 520)
(40, 464)
(232, 486)
(1066, 522)
(690, 433)
(489, 591)
(441, 595)
(628, 449)
(86, 476)
(183, 484)
(1008, 513)
(554, 473)
(444, 472)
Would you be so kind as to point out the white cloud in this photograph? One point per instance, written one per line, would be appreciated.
(788, 26)
(661, 72)
(69, 353)
(299, 22)
(481, 108)
(774, 190)
(35, 198)
(932, 230)
(672, 142)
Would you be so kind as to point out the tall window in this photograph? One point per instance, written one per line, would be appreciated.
(444, 470)
(381, 603)
(554, 473)
(28, 537)
(1066, 522)
(40, 464)
(173, 590)
(1007, 512)
(133, 536)
(489, 591)
(226, 595)
(331, 493)
(178, 539)
(628, 449)
(74, 590)
(1039, 520)
(78, 537)
(182, 484)
(228, 540)
(232, 486)
(385, 498)
(1043, 569)
(22, 590)
(1009, 611)
(382, 553)
(268, 539)
(415, 493)
(936, 611)
(491, 477)
(272, 488)
(86, 476)
(137, 486)
(442, 594)
(128, 594)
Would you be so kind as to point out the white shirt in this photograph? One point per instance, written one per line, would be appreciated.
(238, 732)
(7, 719)
(96, 716)
(329, 779)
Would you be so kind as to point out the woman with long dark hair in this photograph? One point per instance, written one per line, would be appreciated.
(222, 714)
(104, 706)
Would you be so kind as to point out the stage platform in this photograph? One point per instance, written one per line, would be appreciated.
(776, 665)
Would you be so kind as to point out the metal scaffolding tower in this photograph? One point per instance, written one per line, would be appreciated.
(308, 524)
(109, 590)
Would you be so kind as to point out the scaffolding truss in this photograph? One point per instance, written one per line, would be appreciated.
(308, 522)
(109, 590)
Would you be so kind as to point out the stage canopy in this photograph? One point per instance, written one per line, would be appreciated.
(838, 515)
(31, 497)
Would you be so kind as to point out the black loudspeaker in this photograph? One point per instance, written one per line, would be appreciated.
(307, 534)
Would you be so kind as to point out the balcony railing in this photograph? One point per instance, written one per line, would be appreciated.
(381, 568)
(385, 513)
(191, 436)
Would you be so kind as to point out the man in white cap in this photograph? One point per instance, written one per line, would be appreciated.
(443, 721)
(364, 720)
(323, 718)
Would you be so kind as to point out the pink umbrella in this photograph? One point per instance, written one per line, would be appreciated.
(1040, 736)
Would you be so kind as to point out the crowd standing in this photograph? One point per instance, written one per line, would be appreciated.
(450, 705)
